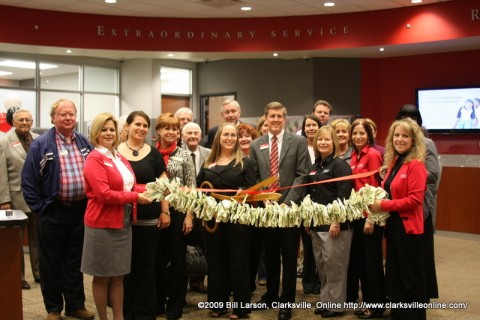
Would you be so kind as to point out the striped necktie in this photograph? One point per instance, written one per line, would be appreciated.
(274, 162)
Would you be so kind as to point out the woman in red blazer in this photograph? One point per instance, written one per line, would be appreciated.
(110, 185)
(405, 182)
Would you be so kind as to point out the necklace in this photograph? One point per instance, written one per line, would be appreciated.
(135, 153)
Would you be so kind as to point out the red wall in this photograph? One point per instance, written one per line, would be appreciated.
(389, 83)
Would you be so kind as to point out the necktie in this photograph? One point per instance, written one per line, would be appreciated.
(274, 161)
(194, 164)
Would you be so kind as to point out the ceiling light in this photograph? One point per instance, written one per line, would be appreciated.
(68, 51)
(416, 1)
(381, 49)
(329, 4)
(246, 8)
(171, 55)
(110, 1)
(5, 73)
(275, 54)
(26, 64)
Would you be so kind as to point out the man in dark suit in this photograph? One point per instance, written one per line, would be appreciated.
(191, 135)
(293, 164)
(231, 113)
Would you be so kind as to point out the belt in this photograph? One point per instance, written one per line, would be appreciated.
(69, 203)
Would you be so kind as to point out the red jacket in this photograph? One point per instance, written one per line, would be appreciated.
(407, 190)
(370, 159)
(104, 189)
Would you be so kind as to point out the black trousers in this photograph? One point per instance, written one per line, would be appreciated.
(172, 251)
(228, 265)
(140, 292)
(366, 265)
(281, 243)
(60, 243)
(404, 272)
(429, 259)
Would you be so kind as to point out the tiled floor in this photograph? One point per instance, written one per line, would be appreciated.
(445, 242)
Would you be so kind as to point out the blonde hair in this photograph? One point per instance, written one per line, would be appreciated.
(216, 149)
(418, 149)
(333, 135)
(97, 125)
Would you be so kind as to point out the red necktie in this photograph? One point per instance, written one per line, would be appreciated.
(274, 162)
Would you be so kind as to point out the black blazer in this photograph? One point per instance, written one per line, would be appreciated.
(229, 176)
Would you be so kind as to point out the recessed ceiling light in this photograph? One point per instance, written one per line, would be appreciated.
(381, 49)
(68, 51)
(110, 1)
(329, 4)
(171, 55)
(246, 8)
(5, 73)
(416, 1)
(275, 54)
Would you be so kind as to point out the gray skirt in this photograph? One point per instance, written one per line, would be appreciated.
(107, 252)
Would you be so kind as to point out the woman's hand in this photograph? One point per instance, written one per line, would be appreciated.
(334, 230)
(368, 227)
(163, 221)
(142, 199)
(376, 206)
(187, 223)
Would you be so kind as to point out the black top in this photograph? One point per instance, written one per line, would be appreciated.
(229, 176)
(330, 168)
(147, 170)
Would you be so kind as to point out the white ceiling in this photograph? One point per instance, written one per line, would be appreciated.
(231, 9)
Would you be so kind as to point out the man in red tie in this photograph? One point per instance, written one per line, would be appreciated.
(284, 154)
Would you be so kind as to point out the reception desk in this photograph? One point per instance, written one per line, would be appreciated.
(458, 200)
(10, 262)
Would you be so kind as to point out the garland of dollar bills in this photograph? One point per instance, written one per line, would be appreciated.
(309, 213)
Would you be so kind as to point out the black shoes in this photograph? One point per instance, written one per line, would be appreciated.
(371, 314)
(25, 285)
(330, 314)
(284, 314)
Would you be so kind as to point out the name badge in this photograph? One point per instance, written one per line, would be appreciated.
(326, 171)
(312, 173)
(16, 144)
(64, 152)
(108, 164)
(361, 165)
(403, 176)
(176, 159)
(264, 146)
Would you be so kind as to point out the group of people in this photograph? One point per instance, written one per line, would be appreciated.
(93, 216)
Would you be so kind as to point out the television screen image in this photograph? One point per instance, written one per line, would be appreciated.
(450, 110)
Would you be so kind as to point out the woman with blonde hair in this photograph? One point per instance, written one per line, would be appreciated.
(342, 129)
(111, 189)
(228, 248)
(405, 183)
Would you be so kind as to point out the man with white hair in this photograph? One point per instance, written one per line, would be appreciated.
(231, 113)
(191, 136)
(13, 151)
(185, 115)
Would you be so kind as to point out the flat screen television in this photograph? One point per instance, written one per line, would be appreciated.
(450, 110)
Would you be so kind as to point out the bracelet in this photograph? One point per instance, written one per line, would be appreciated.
(166, 212)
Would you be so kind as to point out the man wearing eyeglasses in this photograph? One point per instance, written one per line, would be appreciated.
(13, 151)
(54, 188)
